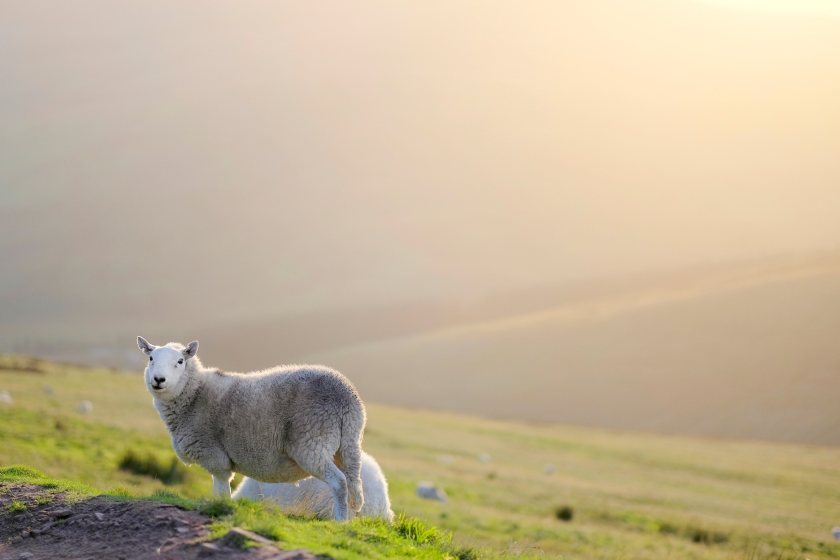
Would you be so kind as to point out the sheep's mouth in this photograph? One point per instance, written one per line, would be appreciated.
(157, 387)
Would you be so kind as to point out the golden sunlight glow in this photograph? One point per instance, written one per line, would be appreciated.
(813, 7)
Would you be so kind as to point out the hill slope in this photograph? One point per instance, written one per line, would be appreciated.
(630, 495)
(751, 353)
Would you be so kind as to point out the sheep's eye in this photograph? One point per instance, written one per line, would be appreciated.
(151, 359)
(181, 361)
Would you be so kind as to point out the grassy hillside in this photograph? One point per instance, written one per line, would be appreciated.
(749, 352)
(629, 495)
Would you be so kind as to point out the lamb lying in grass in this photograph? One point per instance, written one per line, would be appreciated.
(277, 425)
(312, 498)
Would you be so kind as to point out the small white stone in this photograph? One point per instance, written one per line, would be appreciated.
(484, 458)
(85, 407)
(836, 532)
(550, 469)
(429, 491)
(6, 398)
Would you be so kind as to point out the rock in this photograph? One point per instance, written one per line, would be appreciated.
(62, 513)
(43, 528)
(6, 398)
(429, 491)
(85, 407)
(484, 458)
(208, 549)
(836, 532)
(550, 469)
(237, 538)
(446, 459)
(299, 554)
(99, 516)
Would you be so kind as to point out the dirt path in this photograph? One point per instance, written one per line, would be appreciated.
(36, 525)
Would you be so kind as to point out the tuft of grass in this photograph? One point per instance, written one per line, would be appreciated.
(705, 536)
(149, 464)
(17, 472)
(73, 491)
(216, 508)
(564, 513)
(43, 499)
(16, 506)
(417, 531)
(466, 553)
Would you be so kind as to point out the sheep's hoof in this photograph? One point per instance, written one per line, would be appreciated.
(356, 499)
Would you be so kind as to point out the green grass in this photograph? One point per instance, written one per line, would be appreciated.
(357, 540)
(16, 506)
(631, 495)
(169, 471)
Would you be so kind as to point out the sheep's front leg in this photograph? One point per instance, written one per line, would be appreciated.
(221, 484)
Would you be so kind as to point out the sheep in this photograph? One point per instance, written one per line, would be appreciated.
(276, 425)
(312, 498)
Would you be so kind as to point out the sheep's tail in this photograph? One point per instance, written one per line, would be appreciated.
(350, 455)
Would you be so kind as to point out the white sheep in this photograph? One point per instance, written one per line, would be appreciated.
(277, 425)
(312, 498)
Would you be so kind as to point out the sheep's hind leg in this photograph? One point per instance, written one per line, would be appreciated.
(351, 463)
(322, 468)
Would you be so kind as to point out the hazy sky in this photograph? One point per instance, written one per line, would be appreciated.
(215, 159)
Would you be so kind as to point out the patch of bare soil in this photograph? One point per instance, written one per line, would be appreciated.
(36, 524)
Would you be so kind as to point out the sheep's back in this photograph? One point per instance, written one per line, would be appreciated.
(281, 408)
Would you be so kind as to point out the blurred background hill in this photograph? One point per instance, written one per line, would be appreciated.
(603, 213)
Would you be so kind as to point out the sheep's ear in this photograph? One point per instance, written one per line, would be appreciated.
(144, 345)
(191, 349)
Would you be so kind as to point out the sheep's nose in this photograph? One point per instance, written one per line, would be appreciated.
(159, 380)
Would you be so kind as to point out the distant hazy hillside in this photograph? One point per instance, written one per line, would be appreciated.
(752, 352)
(744, 349)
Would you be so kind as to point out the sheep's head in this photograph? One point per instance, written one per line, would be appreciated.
(167, 370)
